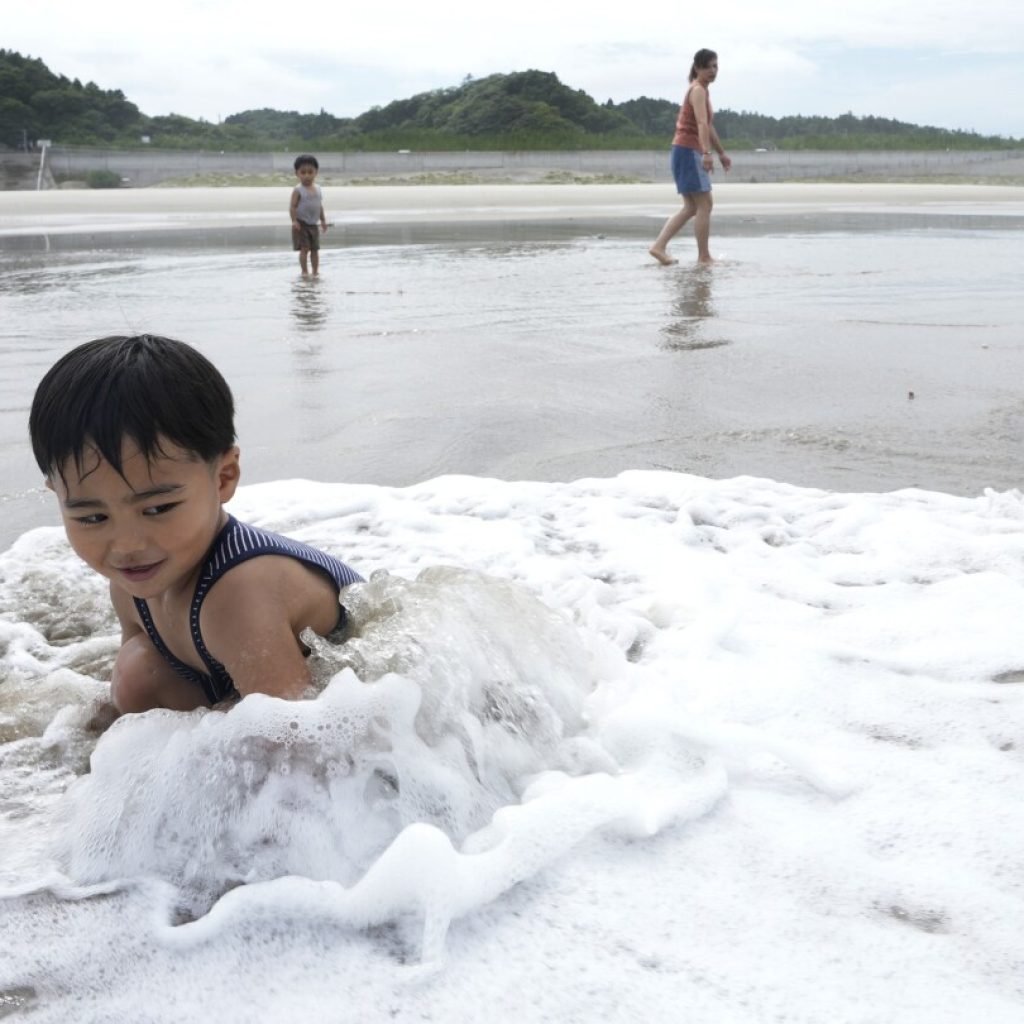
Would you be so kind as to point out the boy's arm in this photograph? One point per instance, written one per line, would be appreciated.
(252, 617)
(323, 212)
(142, 679)
(293, 205)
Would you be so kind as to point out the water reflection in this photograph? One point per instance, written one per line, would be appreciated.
(693, 313)
(309, 304)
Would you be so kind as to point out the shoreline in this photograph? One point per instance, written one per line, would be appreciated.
(78, 211)
(438, 348)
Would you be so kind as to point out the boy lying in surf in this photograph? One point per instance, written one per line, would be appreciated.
(136, 437)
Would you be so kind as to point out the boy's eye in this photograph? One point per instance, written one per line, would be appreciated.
(93, 519)
(159, 510)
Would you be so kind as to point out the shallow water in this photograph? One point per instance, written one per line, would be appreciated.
(553, 352)
(657, 747)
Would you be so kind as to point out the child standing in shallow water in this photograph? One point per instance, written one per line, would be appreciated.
(136, 438)
(306, 209)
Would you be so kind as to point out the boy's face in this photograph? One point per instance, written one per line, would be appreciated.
(149, 530)
(306, 174)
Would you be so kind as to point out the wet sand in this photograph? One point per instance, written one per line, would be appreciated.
(97, 210)
(523, 332)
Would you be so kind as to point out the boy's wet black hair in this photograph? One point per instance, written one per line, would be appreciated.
(143, 388)
(306, 158)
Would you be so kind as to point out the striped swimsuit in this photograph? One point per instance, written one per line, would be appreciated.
(237, 543)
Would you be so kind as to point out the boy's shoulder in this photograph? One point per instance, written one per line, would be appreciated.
(239, 544)
(253, 579)
(261, 596)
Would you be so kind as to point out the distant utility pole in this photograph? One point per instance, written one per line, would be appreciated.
(24, 139)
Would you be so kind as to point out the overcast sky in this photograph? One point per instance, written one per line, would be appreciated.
(936, 62)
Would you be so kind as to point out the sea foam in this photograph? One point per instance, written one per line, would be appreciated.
(718, 743)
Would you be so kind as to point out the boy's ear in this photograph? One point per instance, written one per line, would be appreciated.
(48, 482)
(229, 472)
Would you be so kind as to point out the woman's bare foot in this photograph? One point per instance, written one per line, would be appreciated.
(662, 257)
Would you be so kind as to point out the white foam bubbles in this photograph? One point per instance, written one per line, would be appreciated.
(757, 750)
(466, 687)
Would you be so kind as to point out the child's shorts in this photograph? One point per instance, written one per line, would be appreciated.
(307, 237)
(688, 170)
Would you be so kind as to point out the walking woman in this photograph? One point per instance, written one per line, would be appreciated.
(692, 161)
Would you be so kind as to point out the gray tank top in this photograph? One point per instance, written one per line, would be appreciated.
(308, 208)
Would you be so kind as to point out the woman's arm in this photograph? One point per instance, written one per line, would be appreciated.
(718, 148)
(699, 102)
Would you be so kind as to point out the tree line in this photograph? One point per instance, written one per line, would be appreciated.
(522, 110)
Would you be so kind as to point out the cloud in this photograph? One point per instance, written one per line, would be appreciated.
(205, 59)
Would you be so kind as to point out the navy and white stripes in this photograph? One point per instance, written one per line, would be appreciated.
(239, 541)
(236, 543)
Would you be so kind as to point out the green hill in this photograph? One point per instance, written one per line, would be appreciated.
(524, 102)
(747, 130)
(520, 110)
(35, 103)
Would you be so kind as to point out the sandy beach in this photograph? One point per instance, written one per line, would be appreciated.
(162, 208)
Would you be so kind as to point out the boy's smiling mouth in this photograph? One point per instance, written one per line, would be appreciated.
(139, 573)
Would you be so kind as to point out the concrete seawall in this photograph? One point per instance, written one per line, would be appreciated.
(144, 167)
(21, 171)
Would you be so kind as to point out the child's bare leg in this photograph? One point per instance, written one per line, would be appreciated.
(702, 227)
(672, 228)
(303, 261)
(143, 680)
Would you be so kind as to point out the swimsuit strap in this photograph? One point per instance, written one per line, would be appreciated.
(236, 543)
